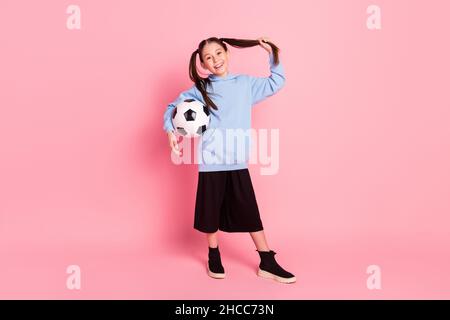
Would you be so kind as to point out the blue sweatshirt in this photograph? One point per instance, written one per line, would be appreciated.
(226, 144)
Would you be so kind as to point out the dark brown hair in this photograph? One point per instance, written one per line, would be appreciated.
(202, 83)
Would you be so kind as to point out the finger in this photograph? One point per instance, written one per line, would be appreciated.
(176, 151)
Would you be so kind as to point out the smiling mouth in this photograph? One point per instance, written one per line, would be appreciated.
(220, 65)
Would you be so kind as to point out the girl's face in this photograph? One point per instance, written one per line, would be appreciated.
(215, 59)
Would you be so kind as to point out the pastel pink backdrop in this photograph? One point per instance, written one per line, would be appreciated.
(86, 176)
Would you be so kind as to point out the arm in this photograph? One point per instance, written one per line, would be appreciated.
(191, 93)
(168, 126)
(261, 87)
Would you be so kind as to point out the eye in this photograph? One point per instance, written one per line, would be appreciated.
(219, 52)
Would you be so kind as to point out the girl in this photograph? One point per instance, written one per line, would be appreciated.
(225, 197)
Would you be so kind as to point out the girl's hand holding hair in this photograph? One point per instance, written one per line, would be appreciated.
(263, 43)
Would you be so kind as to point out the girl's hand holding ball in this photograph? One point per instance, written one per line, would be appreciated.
(173, 143)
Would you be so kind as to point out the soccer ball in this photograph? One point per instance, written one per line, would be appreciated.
(191, 118)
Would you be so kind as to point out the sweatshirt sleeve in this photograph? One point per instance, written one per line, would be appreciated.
(261, 87)
(191, 93)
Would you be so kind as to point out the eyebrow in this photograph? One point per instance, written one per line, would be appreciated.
(216, 51)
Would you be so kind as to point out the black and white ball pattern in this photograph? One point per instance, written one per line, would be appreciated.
(191, 118)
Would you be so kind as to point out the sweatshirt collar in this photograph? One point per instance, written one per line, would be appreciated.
(214, 77)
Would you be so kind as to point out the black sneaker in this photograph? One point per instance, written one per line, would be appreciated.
(214, 265)
(270, 269)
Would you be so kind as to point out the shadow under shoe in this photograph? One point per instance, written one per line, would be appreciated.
(270, 269)
(214, 265)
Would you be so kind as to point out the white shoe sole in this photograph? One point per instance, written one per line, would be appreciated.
(214, 275)
(268, 275)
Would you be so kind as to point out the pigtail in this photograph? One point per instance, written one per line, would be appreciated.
(200, 83)
(244, 43)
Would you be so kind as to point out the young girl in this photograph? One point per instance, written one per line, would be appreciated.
(225, 197)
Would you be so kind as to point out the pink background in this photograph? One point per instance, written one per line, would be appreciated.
(85, 170)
